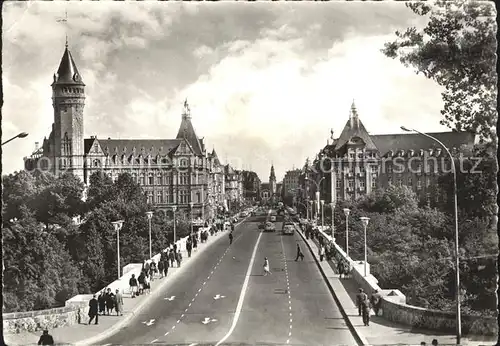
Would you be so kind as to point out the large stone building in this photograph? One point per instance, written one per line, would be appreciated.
(233, 186)
(177, 171)
(291, 185)
(251, 186)
(357, 163)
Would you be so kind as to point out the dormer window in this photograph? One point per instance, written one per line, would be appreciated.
(411, 152)
(421, 152)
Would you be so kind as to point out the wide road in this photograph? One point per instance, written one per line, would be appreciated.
(216, 302)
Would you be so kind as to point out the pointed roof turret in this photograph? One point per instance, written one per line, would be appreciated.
(67, 73)
(272, 176)
(354, 128)
(186, 130)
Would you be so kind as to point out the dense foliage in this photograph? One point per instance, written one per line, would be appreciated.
(412, 248)
(48, 258)
(457, 49)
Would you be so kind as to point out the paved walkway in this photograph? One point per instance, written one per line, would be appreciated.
(82, 333)
(381, 331)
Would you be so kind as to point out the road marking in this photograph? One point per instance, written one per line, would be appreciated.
(199, 290)
(185, 311)
(189, 305)
(242, 294)
(288, 341)
(182, 315)
(166, 333)
(173, 327)
(193, 344)
(155, 340)
(178, 321)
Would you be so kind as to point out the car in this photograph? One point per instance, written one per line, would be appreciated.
(269, 227)
(288, 228)
(262, 225)
(253, 213)
(272, 218)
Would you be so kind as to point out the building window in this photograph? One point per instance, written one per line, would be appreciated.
(410, 182)
(362, 185)
(428, 197)
(184, 196)
(427, 182)
(389, 168)
(399, 182)
(150, 197)
(374, 182)
(151, 179)
(350, 184)
(159, 179)
(142, 179)
(96, 148)
(419, 184)
(97, 163)
(198, 197)
(437, 196)
(159, 197)
(183, 179)
(389, 180)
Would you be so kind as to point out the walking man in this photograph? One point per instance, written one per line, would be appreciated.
(266, 267)
(360, 298)
(299, 254)
(93, 310)
(133, 286)
(178, 258)
(365, 306)
(230, 237)
(321, 253)
(376, 301)
(189, 247)
(118, 303)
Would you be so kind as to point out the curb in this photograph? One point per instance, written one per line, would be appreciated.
(360, 339)
(114, 329)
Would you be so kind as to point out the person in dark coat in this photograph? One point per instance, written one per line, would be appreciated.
(93, 310)
(230, 238)
(165, 266)
(299, 254)
(171, 257)
(189, 247)
(195, 243)
(160, 268)
(152, 270)
(46, 339)
(133, 285)
(376, 300)
(102, 303)
(178, 258)
(175, 248)
(110, 301)
(140, 280)
(340, 268)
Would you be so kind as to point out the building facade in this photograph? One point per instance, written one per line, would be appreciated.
(177, 171)
(251, 186)
(268, 190)
(233, 186)
(291, 186)
(357, 163)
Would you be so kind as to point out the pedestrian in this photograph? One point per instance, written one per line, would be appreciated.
(165, 266)
(422, 343)
(178, 258)
(93, 310)
(366, 306)
(175, 248)
(299, 254)
(195, 243)
(118, 303)
(146, 267)
(376, 301)
(266, 267)
(133, 286)
(321, 253)
(171, 257)
(360, 298)
(434, 342)
(346, 268)
(230, 238)
(147, 285)
(232, 227)
(152, 270)
(140, 280)
(101, 300)
(110, 301)
(46, 339)
(189, 246)
(160, 268)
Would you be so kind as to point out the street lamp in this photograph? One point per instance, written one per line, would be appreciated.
(346, 212)
(118, 226)
(317, 192)
(20, 135)
(457, 263)
(174, 208)
(149, 214)
(322, 213)
(191, 215)
(365, 220)
(332, 205)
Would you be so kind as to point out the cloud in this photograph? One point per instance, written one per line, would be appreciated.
(265, 83)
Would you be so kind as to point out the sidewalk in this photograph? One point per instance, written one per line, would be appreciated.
(91, 334)
(381, 331)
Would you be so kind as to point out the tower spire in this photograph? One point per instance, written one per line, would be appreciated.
(65, 20)
(353, 116)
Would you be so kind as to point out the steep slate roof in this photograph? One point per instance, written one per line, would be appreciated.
(67, 73)
(186, 130)
(126, 146)
(215, 157)
(358, 130)
(415, 141)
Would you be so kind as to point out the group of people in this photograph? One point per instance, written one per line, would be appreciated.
(105, 304)
(365, 304)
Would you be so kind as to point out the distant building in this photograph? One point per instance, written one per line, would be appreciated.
(251, 186)
(175, 171)
(233, 186)
(357, 163)
(269, 190)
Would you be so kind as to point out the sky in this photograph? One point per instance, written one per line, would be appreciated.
(266, 82)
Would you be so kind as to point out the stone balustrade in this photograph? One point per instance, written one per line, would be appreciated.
(395, 309)
(76, 308)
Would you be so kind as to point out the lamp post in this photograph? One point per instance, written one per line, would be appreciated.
(317, 193)
(322, 213)
(118, 226)
(365, 220)
(346, 212)
(191, 216)
(332, 205)
(149, 214)
(455, 208)
(174, 208)
(20, 135)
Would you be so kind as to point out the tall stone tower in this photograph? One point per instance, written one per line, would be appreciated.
(272, 181)
(68, 100)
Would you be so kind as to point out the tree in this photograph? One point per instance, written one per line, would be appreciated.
(100, 189)
(389, 200)
(457, 49)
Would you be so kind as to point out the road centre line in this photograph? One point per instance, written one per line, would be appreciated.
(242, 294)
